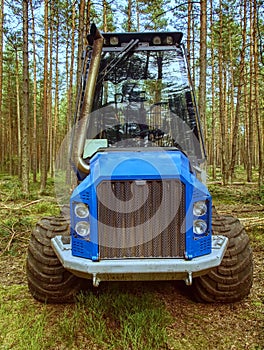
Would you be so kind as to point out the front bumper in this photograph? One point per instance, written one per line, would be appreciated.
(140, 269)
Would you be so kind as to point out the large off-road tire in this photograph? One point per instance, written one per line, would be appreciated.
(232, 280)
(48, 281)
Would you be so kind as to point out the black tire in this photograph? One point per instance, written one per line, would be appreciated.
(232, 280)
(48, 281)
(65, 211)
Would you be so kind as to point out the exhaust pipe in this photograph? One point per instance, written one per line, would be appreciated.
(84, 109)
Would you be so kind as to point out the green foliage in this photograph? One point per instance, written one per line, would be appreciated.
(153, 14)
(230, 37)
(11, 188)
(256, 236)
(261, 194)
(240, 191)
(244, 200)
(242, 194)
(19, 213)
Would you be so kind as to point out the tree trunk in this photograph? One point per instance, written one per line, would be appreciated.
(256, 82)
(251, 102)
(50, 79)
(1, 77)
(80, 39)
(19, 153)
(70, 87)
(203, 65)
(138, 19)
(88, 14)
(105, 16)
(189, 26)
(231, 103)
(44, 150)
(213, 137)
(9, 135)
(234, 149)
(25, 116)
(34, 131)
(129, 16)
(193, 51)
(190, 39)
(222, 101)
(56, 104)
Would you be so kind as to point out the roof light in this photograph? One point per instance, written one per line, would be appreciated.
(169, 40)
(156, 40)
(114, 40)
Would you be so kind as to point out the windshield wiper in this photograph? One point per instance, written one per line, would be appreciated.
(120, 56)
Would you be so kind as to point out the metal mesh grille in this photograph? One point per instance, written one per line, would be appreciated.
(138, 219)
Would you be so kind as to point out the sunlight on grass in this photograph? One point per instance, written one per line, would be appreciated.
(22, 325)
(111, 320)
(116, 320)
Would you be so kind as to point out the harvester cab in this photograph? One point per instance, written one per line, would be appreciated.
(135, 92)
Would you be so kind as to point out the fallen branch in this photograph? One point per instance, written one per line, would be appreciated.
(19, 236)
(232, 184)
(24, 205)
(31, 203)
(243, 183)
(248, 210)
(7, 248)
(253, 221)
(252, 218)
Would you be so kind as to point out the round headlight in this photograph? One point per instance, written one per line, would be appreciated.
(199, 227)
(83, 228)
(81, 210)
(199, 208)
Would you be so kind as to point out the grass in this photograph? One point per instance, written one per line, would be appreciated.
(111, 320)
(239, 191)
(118, 319)
(19, 213)
(232, 194)
(122, 316)
(22, 325)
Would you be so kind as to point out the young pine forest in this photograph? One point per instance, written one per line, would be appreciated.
(41, 45)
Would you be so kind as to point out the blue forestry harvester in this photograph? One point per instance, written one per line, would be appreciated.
(141, 209)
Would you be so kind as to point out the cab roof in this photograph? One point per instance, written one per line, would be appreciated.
(145, 38)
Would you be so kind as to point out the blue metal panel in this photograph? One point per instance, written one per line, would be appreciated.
(140, 165)
(81, 247)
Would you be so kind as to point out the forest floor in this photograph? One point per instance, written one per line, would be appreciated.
(158, 315)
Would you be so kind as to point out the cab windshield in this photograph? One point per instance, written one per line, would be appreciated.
(144, 99)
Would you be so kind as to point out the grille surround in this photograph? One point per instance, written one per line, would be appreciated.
(141, 219)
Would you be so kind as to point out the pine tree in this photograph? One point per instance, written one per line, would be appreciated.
(25, 114)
